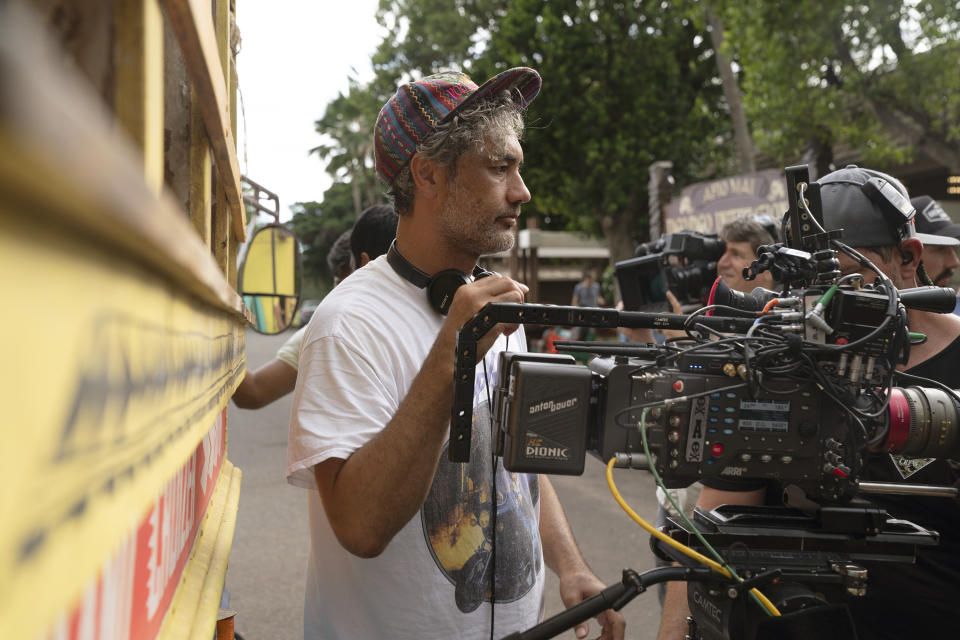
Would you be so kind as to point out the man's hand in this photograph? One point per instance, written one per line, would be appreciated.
(372, 495)
(635, 335)
(560, 553)
(674, 303)
(675, 308)
(577, 587)
(470, 298)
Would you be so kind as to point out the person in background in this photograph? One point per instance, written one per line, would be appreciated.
(586, 293)
(404, 542)
(372, 233)
(902, 600)
(742, 238)
(553, 334)
(550, 335)
(939, 259)
(340, 259)
(369, 238)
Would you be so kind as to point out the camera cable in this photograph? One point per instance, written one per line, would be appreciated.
(493, 495)
(726, 569)
(719, 567)
(658, 403)
(802, 188)
(707, 310)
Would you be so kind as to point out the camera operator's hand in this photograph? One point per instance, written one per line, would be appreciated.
(577, 581)
(575, 588)
(635, 335)
(675, 307)
(470, 298)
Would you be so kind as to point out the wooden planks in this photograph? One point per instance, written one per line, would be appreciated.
(193, 25)
(63, 153)
(138, 94)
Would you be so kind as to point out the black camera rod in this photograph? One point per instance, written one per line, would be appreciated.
(615, 597)
(461, 416)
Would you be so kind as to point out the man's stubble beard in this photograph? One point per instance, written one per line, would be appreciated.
(944, 278)
(465, 227)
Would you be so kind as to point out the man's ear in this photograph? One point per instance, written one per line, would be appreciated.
(428, 176)
(911, 250)
(364, 258)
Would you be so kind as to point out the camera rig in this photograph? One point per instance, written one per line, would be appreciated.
(684, 263)
(794, 387)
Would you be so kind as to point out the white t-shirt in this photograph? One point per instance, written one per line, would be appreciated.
(371, 335)
(290, 351)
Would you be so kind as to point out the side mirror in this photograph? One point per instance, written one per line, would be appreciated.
(269, 278)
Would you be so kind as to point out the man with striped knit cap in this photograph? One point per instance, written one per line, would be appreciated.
(405, 543)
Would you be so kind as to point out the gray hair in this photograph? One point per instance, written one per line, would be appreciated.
(491, 120)
(746, 230)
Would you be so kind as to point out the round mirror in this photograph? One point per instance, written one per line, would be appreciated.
(269, 278)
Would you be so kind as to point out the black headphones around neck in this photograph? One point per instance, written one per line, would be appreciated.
(441, 286)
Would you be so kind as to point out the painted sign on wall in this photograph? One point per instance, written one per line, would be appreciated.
(708, 206)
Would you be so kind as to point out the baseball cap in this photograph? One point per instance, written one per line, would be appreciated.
(866, 220)
(931, 219)
(418, 107)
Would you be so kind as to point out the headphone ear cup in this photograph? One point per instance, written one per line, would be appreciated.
(442, 286)
(480, 272)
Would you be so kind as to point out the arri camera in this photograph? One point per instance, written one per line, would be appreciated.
(684, 263)
(796, 387)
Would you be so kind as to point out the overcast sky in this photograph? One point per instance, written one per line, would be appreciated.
(295, 57)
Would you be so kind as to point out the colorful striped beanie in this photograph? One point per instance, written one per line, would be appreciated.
(413, 113)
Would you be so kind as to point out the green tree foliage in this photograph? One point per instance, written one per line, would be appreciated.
(879, 76)
(625, 84)
(348, 122)
(317, 227)
(427, 36)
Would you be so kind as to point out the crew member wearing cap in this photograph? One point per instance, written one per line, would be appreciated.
(940, 248)
(404, 543)
(902, 601)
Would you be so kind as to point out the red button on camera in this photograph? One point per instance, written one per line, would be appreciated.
(716, 449)
(678, 386)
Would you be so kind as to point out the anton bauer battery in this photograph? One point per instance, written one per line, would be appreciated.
(541, 420)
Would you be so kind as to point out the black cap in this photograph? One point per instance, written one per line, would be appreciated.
(866, 221)
(932, 220)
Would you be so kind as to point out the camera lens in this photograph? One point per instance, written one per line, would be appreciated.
(692, 283)
(924, 423)
(713, 248)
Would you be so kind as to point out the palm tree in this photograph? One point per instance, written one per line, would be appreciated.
(348, 121)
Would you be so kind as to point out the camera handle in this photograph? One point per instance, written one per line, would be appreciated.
(615, 597)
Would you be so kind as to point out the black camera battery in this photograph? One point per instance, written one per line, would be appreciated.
(545, 413)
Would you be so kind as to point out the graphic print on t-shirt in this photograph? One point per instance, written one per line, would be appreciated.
(458, 526)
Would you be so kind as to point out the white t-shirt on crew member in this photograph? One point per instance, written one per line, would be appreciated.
(290, 351)
(371, 334)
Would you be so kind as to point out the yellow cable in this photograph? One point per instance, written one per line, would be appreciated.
(679, 546)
